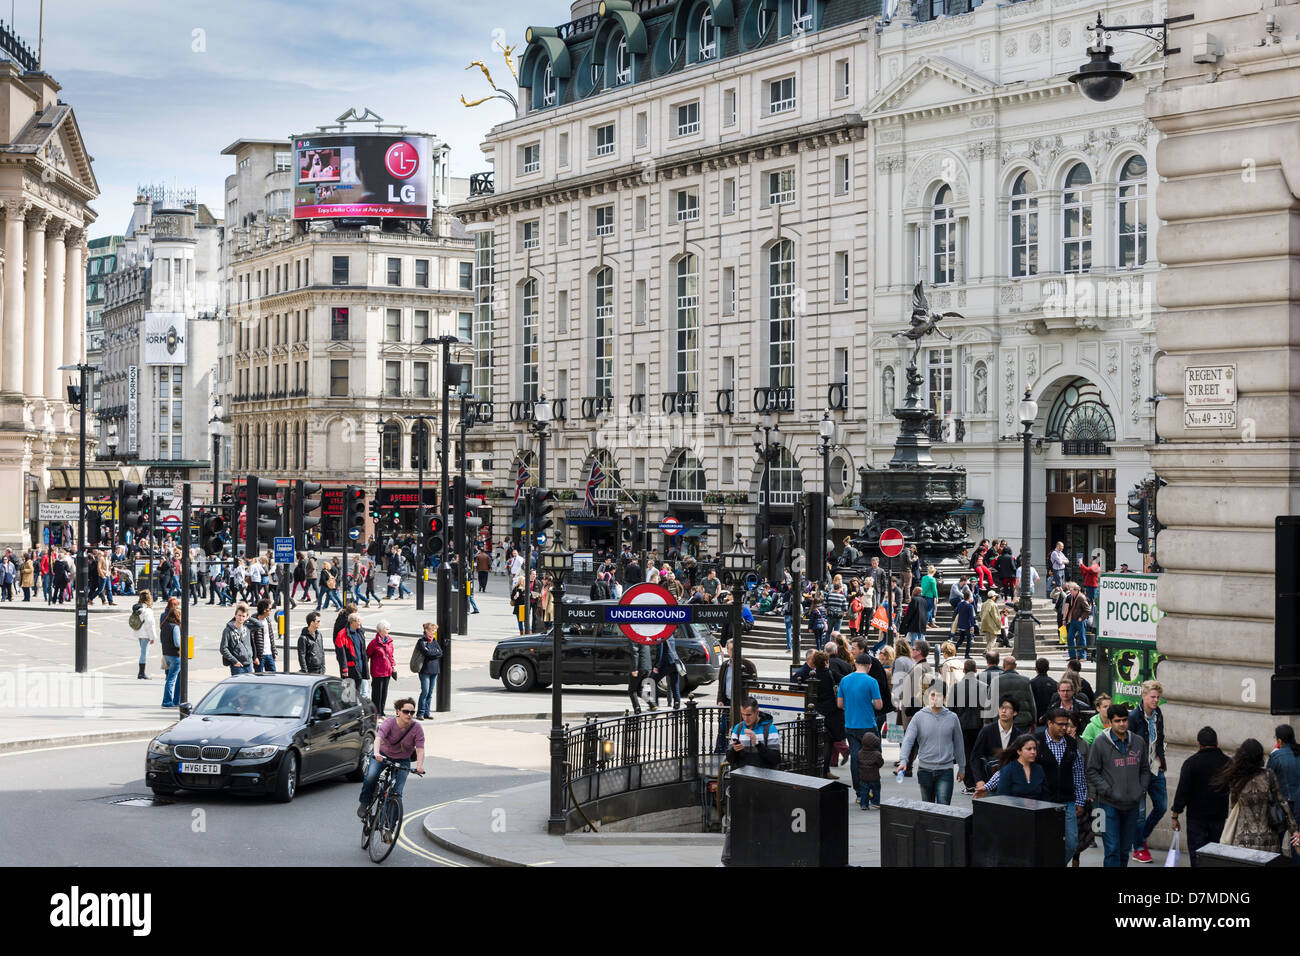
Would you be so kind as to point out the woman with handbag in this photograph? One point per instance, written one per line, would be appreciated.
(827, 706)
(429, 652)
(382, 665)
(518, 600)
(1259, 817)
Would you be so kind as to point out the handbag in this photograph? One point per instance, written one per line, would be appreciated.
(681, 668)
(417, 658)
(1229, 835)
(1171, 858)
(1276, 814)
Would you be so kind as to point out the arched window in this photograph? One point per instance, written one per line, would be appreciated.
(528, 340)
(390, 445)
(548, 86)
(622, 62)
(708, 48)
(1080, 414)
(765, 18)
(1076, 221)
(603, 331)
(1133, 213)
(802, 15)
(780, 314)
(943, 237)
(688, 324)
(1024, 226)
(686, 480)
(420, 438)
(784, 478)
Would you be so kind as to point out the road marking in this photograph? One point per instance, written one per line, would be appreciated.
(406, 844)
(93, 743)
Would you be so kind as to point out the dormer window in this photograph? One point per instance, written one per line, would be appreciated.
(548, 86)
(622, 63)
(802, 15)
(708, 36)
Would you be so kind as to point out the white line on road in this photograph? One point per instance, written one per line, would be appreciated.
(90, 743)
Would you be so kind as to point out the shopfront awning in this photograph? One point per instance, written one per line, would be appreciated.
(66, 481)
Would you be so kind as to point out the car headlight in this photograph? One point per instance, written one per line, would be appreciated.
(255, 752)
(157, 749)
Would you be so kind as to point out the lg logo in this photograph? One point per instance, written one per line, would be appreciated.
(401, 160)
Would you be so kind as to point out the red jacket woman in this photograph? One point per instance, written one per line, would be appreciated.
(1091, 574)
(380, 652)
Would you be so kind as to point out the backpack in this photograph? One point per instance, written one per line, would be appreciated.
(136, 620)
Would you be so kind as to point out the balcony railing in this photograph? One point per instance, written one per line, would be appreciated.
(686, 495)
(593, 406)
(481, 184)
(725, 401)
(781, 497)
(773, 398)
(680, 403)
(1084, 446)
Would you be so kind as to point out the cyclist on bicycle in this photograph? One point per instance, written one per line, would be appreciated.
(396, 740)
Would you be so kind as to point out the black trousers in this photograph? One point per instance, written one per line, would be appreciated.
(1200, 833)
(379, 692)
(482, 580)
(634, 691)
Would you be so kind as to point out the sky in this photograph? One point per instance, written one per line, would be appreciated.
(160, 87)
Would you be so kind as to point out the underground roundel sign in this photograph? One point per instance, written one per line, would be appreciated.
(647, 613)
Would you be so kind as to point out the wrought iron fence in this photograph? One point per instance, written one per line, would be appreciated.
(622, 754)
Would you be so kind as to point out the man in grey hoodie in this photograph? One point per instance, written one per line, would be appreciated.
(937, 731)
(236, 651)
(642, 664)
(1119, 772)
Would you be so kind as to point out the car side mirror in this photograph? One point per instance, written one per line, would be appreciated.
(324, 713)
(185, 709)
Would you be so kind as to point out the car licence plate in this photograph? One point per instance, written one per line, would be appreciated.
(208, 768)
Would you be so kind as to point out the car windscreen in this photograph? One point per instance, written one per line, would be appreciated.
(254, 700)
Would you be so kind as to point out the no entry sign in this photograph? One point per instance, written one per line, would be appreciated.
(647, 614)
(891, 542)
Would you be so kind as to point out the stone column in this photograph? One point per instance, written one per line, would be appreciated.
(74, 298)
(11, 356)
(34, 343)
(54, 283)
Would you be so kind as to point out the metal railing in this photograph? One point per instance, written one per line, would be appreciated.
(622, 754)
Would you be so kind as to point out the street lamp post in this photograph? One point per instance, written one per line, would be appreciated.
(463, 547)
(737, 562)
(111, 441)
(557, 562)
(422, 433)
(828, 432)
(449, 380)
(540, 426)
(382, 428)
(767, 442)
(217, 426)
(77, 396)
(1024, 642)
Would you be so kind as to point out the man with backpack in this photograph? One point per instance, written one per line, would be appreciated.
(1078, 612)
(236, 651)
(755, 741)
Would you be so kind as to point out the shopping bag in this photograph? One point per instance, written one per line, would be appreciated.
(1061, 632)
(1171, 858)
(879, 620)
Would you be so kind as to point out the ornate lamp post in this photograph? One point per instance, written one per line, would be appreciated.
(539, 426)
(1101, 78)
(1025, 621)
(737, 562)
(557, 561)
(217, 427)
(382, 428)
(767, 442)
(829, 433)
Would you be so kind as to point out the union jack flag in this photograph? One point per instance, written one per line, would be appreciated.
(521, 476)
(597, 476)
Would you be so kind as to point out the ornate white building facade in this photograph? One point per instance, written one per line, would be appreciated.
(1031, 212)
(46, 183)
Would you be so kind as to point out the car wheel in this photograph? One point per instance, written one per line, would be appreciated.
(358, 774)
(519, 674)
(287, 785)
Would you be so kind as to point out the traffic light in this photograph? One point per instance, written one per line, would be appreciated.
(263, 515)
(93, 532)
(771, 551)
(467, 522)
(817, 531)
(629, 528)
(1152, 512)
(212, 537)
(355, 508)
(519, 516)
(435, 536)
(542, 508)
(132, 508)
(1138, 514)
(304, 508)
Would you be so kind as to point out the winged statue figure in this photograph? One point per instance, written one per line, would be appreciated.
(924, 322)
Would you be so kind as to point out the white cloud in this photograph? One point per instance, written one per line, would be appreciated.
(152, 109)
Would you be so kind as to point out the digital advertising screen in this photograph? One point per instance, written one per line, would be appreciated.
(380, 176)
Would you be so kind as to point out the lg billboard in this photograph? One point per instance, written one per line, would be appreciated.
(381, 176)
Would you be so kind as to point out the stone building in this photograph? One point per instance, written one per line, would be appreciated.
(322, 339)
(675, 240)
(101, 262)
(46, 183)
(159, 338)
(1031, 211)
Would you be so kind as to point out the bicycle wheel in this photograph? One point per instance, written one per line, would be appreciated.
(389, 824)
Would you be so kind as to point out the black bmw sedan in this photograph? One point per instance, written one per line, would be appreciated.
(265, 735)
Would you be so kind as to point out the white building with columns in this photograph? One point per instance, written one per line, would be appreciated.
(46, 183)
(1031, 211)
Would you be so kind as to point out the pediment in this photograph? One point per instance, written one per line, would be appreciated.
(929, 82)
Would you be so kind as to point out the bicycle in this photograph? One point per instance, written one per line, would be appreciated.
(383, 819)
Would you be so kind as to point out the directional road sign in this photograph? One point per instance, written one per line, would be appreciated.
(284, 553)
(354, 533)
